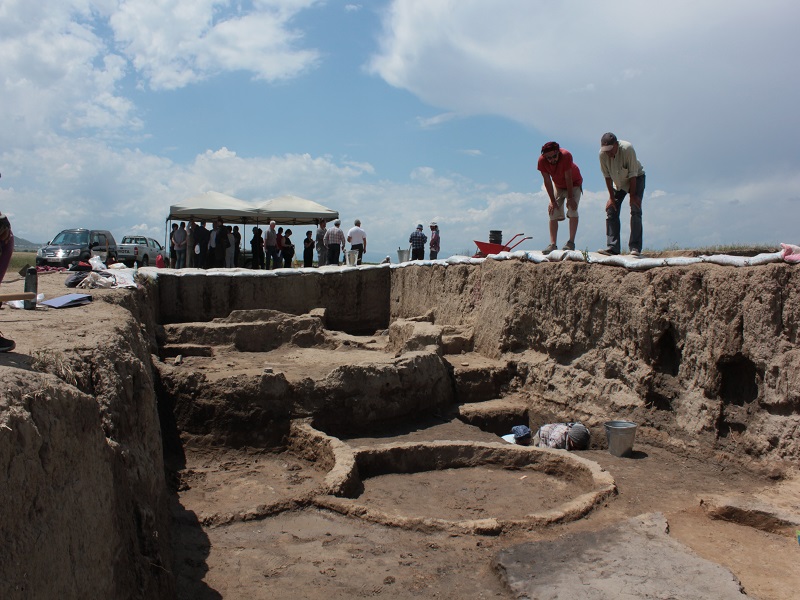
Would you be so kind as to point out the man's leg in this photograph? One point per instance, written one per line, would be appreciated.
(635, 242)
(612, 223)
(556, 216)
(333, 255)
(572, 215)
(322, 256)
(273, 257)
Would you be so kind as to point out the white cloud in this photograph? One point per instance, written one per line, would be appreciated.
(430, 122)
(178, 42)
(56, 72)
(686, 81)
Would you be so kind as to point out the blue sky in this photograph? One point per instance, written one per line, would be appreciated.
(399, 112)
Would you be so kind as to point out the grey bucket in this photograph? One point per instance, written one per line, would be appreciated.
(402, 255)
(620, 436)
(351, 258)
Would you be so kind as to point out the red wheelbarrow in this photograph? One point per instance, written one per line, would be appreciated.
(487, 248)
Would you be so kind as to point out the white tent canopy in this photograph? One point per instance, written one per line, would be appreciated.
(293, 210)
(210, 205)
(285, 210)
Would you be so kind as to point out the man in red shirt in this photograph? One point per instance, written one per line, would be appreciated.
(559, 171)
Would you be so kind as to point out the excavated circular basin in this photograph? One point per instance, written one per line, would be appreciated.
(472, 486)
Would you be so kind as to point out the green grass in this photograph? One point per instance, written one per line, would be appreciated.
(20, 259)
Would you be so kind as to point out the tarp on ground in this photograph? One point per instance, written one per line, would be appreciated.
(210, 205)
(293, 210)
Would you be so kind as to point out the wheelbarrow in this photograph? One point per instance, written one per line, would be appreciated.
(487, 248)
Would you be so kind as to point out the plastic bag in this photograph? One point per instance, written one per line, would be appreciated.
(96, 280)
(97, 263)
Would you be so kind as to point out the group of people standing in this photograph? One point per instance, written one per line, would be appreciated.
(272, 249)
(331, 243)
(624, 175)
(196, 246)
(418, 239)
(200, 248)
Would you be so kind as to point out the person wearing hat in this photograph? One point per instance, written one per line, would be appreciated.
(624, 175)
(435, 240)
(564, 436)
(557, 168)
(418, 240)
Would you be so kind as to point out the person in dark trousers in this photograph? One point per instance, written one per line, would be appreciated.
(418, 240)
(308, 249)
(624, 175)
(287, 251)
(257, 249)
(237, 248)
(271, 246)
(334, 242)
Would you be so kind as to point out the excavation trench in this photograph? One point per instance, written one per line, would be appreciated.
(342, 428)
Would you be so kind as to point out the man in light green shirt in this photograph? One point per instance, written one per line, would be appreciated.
(624, 175)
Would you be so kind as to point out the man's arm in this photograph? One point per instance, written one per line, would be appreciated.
(611, 199)
(548, 186)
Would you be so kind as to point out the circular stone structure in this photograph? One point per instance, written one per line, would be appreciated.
(444, 479)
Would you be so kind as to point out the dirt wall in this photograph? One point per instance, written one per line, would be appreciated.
(82, 486)
(701, 354)
(355, 300)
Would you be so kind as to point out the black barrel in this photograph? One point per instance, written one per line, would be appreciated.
(495, 236)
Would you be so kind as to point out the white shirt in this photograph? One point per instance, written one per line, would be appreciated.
(356, 236)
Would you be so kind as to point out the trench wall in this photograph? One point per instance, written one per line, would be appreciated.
(355, 300)
(82, 487)
(702, 356)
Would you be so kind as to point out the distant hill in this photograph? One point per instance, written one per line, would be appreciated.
(23, 245)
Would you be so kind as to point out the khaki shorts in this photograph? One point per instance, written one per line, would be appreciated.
(561, 197)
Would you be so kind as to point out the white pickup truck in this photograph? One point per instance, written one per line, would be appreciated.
(141, 250)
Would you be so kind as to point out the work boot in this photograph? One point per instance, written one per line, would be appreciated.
(570, 245)
(549, 249)
(607, 252)
(6, 345)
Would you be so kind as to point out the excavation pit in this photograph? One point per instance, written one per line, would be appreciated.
(532, 343)
(470, 487)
